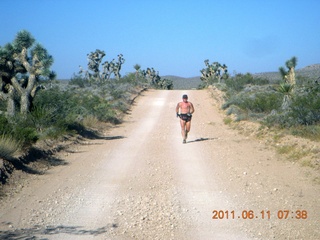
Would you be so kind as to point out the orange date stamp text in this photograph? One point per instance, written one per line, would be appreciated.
(260, 214)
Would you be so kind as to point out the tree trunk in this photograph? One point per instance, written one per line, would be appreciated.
(11, 108)
(292, 77)
(24, 103)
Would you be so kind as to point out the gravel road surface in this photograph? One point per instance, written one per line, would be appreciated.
(141, 182)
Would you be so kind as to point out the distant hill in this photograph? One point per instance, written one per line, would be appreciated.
(183, 83)
(311, 71)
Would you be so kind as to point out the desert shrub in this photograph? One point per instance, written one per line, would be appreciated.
(227, 120)
(103, 112)
(222, 87)
(233, 109)
(90, 121)
(3, 124)
(311, 132)
(117, 91)
(277, 119)
(19, 128)
(121, 106)
(61, 106)
(261, 81)
(134, 79)
(43, 116)
(238, 82)
(263, 102)
(78, 80)
(305, 109)
(257, 102)
(8, 146)
(26, 135)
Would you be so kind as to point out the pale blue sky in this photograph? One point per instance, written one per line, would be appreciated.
(173, 36)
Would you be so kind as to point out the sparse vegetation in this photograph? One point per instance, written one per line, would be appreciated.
(155, 80)
(213, 72)
(227, 120)
(289, 104)
(98, 94)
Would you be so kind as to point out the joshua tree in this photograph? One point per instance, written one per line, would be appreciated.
(36, 61)
(23, 63)
(137, 67)
(287, 90)
(94, 74)
(165, 84)
(7, 71)
(152, 75)
(214, 71)
(117, 66)
(289, 75)
(94, 61)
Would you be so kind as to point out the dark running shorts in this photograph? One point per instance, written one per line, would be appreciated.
(186, 117)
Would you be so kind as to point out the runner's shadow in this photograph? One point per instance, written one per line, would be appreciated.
(38, 232)
(201, 140)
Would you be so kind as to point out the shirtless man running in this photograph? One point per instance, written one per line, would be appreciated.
(184, 110)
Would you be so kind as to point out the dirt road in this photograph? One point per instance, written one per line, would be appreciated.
(141, 182)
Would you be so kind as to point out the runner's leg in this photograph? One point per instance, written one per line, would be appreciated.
(188, 127)
(183, 127)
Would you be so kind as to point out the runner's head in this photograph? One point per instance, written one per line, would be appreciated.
(185, 97)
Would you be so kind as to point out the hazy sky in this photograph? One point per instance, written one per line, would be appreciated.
(172, 36)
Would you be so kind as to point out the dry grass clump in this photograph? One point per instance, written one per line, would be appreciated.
(90, 121)
(8, 147)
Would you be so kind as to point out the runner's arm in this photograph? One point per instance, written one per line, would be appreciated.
(177, 108)
(191, 108)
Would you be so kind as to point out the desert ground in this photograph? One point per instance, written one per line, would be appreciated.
(141, 182)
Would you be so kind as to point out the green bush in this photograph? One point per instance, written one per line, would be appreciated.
(19, 128)
(43, 116)
(257, 102)
(305, 109)
(238, 82)
(262, 102)
(75, 106)
(25, 135)
(78, 80)
(4, 125)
